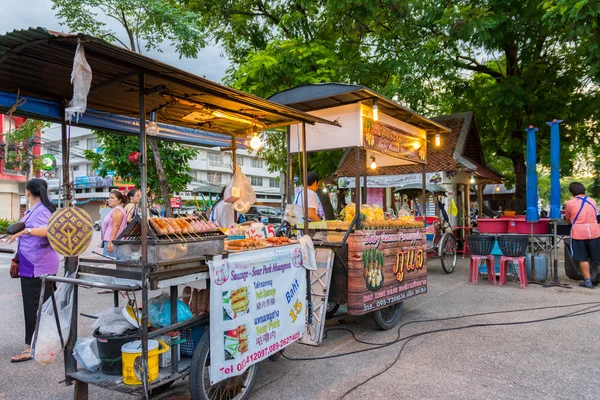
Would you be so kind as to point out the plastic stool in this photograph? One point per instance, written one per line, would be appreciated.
(504, 264)
(474, 268)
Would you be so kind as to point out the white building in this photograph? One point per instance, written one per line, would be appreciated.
(210, 166)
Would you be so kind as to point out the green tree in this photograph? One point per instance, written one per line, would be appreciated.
(20, 146)
(147, 24)
(114, 158)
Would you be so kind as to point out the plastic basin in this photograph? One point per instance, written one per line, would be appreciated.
(428, 220)
(510, 213)
(539, 228)
(493, 225)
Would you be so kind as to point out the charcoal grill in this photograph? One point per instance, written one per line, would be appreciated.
(166, 247)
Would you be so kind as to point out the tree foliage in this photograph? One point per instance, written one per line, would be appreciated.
(114, 158)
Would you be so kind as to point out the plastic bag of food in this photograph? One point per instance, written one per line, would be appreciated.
(46, 339)
(86, 354)
(239, 192)
(81, 78)
(112, 322)
(159, 311)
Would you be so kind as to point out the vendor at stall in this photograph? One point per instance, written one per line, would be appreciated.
(223, 213)
(581, 210)
(312, 182)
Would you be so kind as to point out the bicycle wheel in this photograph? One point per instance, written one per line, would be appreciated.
(236, 388)
(447, 253)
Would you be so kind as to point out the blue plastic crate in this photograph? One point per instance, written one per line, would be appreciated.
(192, 337)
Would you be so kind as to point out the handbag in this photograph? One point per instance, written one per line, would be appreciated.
(14, 267)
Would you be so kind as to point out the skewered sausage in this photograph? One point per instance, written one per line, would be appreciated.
(157, 226)
(188, 226)
(173, 224)
(181, 225)
(164, 226)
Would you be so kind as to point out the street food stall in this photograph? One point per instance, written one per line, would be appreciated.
(378, 262)
(255, 290)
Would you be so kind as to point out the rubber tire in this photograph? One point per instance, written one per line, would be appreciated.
(442, 251)
(197, 389)
(330, 313)
(390, 323)
(572, 267)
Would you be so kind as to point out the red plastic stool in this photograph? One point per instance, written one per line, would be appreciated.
(504, 264)
(474, 268)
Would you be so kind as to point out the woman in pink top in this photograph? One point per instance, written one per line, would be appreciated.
(585, 232)
(115, 222)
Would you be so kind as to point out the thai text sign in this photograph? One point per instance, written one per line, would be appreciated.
(257, 307)
(392, 141)
(384, 268)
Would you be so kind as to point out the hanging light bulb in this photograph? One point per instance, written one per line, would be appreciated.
(472, 181)
(497, 188)
(373, 164)
(416, 144)
(255, 142)
(375, 110)
(152, 129)
(437, 140)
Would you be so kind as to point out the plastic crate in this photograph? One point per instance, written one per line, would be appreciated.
(192, 337)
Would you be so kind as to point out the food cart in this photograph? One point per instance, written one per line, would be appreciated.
(383, 133)
(126, 89)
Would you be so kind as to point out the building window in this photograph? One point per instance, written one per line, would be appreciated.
(257, 163)
(75, 143)
(91, 171)
(256, 181)
(75, 168)
(215, 177)
(53, 151)
(274, 183)
(92, 144)
(240, 161)
(214, 160)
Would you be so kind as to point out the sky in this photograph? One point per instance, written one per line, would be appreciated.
(23, 14)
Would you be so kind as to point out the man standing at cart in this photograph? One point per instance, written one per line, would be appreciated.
(312, 182)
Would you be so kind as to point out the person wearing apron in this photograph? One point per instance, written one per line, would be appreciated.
(581, 210)
(312, 181)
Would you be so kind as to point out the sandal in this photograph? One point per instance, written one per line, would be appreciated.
(24, 356)
(104, 291)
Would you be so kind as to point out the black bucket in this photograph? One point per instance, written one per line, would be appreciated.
(109, 350)
(481, 245)
(513, 245)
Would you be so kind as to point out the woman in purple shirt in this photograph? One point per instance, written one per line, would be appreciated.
(36, 256)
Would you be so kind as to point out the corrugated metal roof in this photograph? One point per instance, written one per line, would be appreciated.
(318, 96)
(38, 63)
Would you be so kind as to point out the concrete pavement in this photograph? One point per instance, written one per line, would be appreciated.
(553, 359)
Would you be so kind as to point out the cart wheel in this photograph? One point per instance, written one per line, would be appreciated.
(447, 253)
(388, 317)
(331, 309)
(236, 388)
(275, 356)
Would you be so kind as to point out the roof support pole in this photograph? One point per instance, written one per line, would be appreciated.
(366, 197)
(304, 178)
(357, 186)
(480, 199)
(424, 191)
(66, 186)
(144, 229)
(289, 187)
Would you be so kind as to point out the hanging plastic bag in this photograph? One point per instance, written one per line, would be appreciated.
(293, 214)
(240, 192)
(81, 78)
(46, 343)
(159, 311)
(86, 354)
(112, 322)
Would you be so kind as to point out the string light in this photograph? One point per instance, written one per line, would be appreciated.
(497, 188)
(255, 142)
(472, 181)
(375, 109)
(373, 164)
(416, 144)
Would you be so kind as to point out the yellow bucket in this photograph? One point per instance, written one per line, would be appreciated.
(132, 361)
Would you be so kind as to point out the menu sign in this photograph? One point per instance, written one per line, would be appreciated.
(257, 307)
(392, 141)
(384, 268)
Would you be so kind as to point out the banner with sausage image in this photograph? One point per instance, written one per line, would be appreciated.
(257, 307)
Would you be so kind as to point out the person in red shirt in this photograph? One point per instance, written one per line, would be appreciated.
(581, 210)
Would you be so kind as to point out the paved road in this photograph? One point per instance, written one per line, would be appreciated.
(552, 359)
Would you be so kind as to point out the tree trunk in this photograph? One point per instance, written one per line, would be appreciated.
(519, 202)
(165, 190)
(326, 204)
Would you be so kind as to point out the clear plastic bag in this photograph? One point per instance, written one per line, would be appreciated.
(46, 343)
(112, 322)
(81, 78)
(293, 214)
(86, 354)
(159, 311)
(240, 192)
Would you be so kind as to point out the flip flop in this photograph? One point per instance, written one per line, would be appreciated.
(104, 291)
(20, 358)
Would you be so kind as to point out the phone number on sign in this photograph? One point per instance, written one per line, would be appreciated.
(267, 351)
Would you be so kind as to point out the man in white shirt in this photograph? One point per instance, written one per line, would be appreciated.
(223, 213)
(312, 180)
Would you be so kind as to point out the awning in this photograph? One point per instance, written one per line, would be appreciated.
(37, 63)
(430, 187)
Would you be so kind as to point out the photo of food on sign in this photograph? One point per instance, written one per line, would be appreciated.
(236, 342)
(235, 303)
(373, 262)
